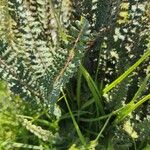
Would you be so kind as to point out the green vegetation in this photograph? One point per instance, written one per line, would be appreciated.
(74, 75)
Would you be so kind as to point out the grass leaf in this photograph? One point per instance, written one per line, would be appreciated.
(94, 89)
(126, 73)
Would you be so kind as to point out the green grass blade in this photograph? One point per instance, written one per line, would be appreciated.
(81, 137)
(103, 128)
(126, 73)
(93, 88)
(75, 114)
(95, 119)
(141, 89)
(129, 108)
(88, 103)
(147, 97)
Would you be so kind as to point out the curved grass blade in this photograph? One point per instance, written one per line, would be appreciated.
(126, 73)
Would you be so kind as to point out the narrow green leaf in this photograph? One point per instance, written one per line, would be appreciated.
(93, 88)
(126, 73)
(87, 104)
(129, 108)
(74, 121)
(141, 89)
(103, 128)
